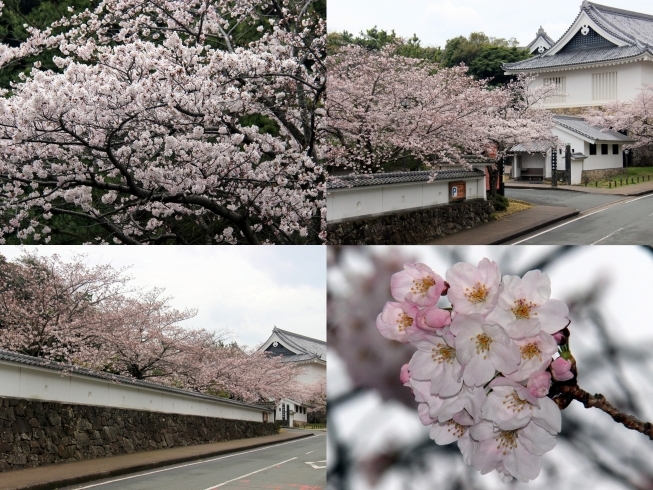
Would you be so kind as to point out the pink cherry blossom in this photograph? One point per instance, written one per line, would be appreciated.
(417, 284)
(536, 355)
(433, 319)
(483, 349)
(515, 453)
(404, 375)
(539, 383)
(474, 289)
(510, 405)
(524, 306)
(397, 321)
(561, 369)
(435, 361)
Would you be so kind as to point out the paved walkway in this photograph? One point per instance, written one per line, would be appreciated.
(627, 190)
(64, 474)
(508, 228)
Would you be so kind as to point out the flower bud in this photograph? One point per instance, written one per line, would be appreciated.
(538, 384)
(404, 375)
(561, 369)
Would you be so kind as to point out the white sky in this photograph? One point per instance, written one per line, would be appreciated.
(435, 21)
(245, 289)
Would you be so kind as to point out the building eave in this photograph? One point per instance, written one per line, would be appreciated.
(646, 56)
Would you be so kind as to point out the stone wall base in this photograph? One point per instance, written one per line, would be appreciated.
(411, 227)
(601, 174)
(34, 433)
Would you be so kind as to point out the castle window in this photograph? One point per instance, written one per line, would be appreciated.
(560, 84)
(604, 86)
(604, 149)
(592, 149)
(615, 149)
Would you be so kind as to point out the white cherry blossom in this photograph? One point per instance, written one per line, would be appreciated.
(417, 284)
(435, 361)
(474, 289)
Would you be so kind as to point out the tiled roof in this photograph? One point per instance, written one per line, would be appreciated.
(69, 369)
(625, 24)
(309, 348)
(580, 126)
(362, 180)
(541, 33)
(633, 28)
(532, 147)
(579, 57)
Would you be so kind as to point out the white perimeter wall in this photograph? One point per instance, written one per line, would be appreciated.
(34, 383)
(371, 201)
(313, 373)
(630, 77)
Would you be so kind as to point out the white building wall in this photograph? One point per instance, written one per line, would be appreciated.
(35, 383)
(577, 144)
(313, 373)
(578, 83)
(371, 201)
(599, 161)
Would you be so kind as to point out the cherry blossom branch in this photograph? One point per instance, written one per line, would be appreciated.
(599, 401)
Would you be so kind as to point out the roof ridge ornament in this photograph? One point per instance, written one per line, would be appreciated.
(585, 4)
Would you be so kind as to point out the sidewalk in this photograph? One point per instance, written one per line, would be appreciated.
(65, 474)
(627, 190)
(508, 228)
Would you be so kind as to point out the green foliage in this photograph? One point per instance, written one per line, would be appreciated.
(500, 203)
(487, 63)
(375, 39)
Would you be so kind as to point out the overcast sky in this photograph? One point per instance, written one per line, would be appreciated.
(435, 21)
(245, 289)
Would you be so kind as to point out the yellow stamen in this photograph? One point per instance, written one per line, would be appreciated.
(403, 322)
(483, 342)
(514, 403)
(443, 354)
(522, 309)
(421, 287)
(457, 429)
(507, 440)
(477, 294)
(529, 351)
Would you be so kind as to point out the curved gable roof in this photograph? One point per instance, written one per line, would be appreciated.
(632, 30)
(304, 348)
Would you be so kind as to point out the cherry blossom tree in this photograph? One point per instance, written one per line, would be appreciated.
(49, 308)
(634, 116)
(383, 108)
(164, 126)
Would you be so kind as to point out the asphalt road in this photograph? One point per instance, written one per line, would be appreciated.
(296, 465)
(576, 200)
(622, 221)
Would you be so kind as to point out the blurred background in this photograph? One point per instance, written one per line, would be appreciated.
(375, 439)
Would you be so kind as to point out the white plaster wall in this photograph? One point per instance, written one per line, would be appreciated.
(34, 383)
(536, 160)
(598, 161)
(576, 171)
(313, 373)
(577, 144)
(630, 77)
(369, 201)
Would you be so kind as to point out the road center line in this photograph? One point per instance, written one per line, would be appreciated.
(582, 217)
(248, 474)
(598, 241)
(310, 451)
(193, 464)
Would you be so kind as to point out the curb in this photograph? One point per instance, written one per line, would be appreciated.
(571, 189)
(521, 233)
(145, 466)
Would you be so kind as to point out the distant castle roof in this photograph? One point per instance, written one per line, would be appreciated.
(300, 347)
(599, 33)
(541, 39)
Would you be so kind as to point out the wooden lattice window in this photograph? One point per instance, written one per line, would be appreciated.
(590, 40)
(560, 84)
(604, 86)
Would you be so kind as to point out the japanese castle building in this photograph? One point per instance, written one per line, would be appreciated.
(310, 354)
(606, 55)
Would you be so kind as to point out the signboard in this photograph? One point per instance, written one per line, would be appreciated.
(283, 411)
(457, 191)
(265, 417)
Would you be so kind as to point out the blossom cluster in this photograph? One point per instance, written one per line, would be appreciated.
(483, 368)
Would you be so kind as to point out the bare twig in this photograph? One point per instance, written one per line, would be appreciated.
(599, 401)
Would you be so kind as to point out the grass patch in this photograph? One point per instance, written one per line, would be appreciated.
(630, 176)
(514, 206)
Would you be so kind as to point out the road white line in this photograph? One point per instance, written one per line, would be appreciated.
(310, 452)
(582, 217)
(192, 464)
(248, 474)
(598, 241)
